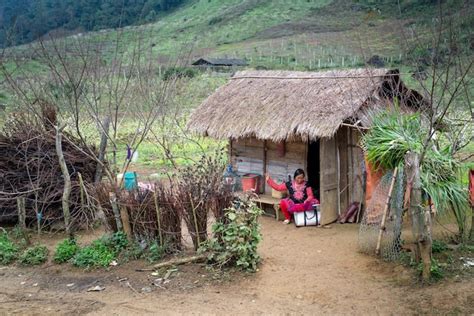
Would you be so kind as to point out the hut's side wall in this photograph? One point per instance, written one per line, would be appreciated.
(248, 156)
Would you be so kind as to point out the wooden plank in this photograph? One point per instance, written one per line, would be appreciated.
(358, 191)
(328, 169)
(341, 138)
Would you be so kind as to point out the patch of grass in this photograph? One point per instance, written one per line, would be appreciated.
(101, 252)
(65, 250)
(35, 255)
(8, 250)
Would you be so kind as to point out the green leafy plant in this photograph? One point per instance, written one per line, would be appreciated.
(8, 250)
(133, 252)
(438, 246)
(95, 255)
(236, 238)
(392, 135)
(102, 251)
(35, 255)
(155, 252)
(117, 241)
(65, 250)
(437, 272)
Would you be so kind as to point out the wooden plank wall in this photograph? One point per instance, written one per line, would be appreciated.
(248, 154)
(329, 183)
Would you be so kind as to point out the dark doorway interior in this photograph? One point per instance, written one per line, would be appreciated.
(313, 168)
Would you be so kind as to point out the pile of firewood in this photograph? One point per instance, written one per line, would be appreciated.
(30, 170)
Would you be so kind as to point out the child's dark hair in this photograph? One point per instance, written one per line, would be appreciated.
(298, 172)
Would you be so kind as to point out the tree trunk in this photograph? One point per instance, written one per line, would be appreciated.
(102, 149)
(420, 218)
(67, 181)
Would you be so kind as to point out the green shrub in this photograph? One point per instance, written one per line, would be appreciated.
(35, 255)
(133, 252)
(179, 72)
(155, 252)
(102, 251)
(8, 250)
(438, 246)
(65, 250)
(236, 238)
(116, 242)
(95, 255)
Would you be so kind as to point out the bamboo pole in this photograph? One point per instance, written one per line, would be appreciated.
(158, 219)
(385, 211)
(197, 258)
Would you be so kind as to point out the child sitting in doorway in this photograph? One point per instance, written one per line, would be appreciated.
(300, 198)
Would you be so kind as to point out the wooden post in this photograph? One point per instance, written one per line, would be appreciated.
(158, 218)
(385, 211)
(126, 222)
(113, 202)
(420, 218)
(20, 202)
(264, 165)
(67, 181)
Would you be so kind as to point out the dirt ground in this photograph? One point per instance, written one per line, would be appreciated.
(304, 271)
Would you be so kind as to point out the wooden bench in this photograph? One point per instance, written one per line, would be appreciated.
(266, 199)
(272, 201)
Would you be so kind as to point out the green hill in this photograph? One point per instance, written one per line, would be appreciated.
(297, 34)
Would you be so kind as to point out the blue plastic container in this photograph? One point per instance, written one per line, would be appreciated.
(130, 180)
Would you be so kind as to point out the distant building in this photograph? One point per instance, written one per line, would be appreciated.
(222, 63)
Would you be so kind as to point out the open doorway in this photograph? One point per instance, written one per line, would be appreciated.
(313, 168)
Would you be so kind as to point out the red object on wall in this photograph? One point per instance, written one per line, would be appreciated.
(374, 175)
(281, 149)
(250, 182)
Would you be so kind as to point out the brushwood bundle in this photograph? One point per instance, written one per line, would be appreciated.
(29, 169)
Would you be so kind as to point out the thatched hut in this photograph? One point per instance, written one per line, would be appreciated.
(278, 121)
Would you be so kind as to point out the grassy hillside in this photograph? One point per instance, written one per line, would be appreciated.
(301, 34)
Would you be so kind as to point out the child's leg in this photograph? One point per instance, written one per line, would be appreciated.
(284, 209)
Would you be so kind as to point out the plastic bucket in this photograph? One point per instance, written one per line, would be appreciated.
(250, 182)
(130, 180)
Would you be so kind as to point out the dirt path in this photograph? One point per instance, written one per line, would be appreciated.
(305, 271)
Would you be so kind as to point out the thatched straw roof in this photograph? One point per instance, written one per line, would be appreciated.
(279, 105)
